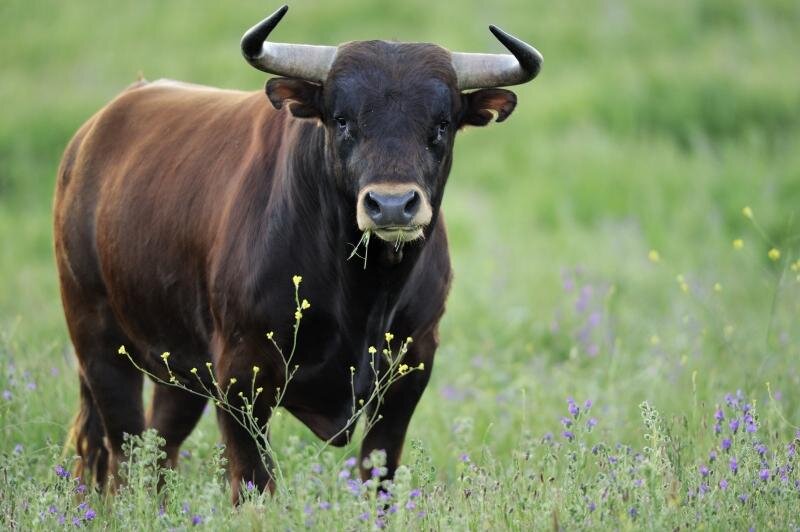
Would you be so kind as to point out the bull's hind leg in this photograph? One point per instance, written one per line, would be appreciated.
(111, 391)
(174, 413)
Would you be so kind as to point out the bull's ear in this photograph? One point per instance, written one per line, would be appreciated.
(303, 97)
(483, 105)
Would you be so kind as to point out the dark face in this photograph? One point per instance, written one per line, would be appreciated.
(391, 111)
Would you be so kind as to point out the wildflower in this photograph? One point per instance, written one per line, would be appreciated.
(726, 444)
(748, 213)
(324, 505)
(592, 506)
(568, 435)
(633, 512)
(717, 428)
(719, 415)
(185, 507)
(305, 305)
(18, 448)
(90, 514)
(764, 474)
(354, 485)
(790, 450)
(734, 425)
(587, 404)
(80, 489)
(761, 449)
(233, 380)
(403, 368)
(654, 256)
(61, 472)
(375, 472)
(208, 365)
(197, 520)
(774, 254)
(567, 422)
(31, 385)
(743, 498)
(350, 462)
(702, 489)
(372, 350)
(364, 516)
(723, 484)
(389, 336)
(464, 457)
(572, 407)
(256, 369)
(296, 279)
(712, 456)
(738, 244)
(7, 395)
(734, 465)
(122, 350)
(421, 366)
(52, 509)
(193, 371)
(415, 493)
(591, 423)
(165, 356)
(703, 471)
(410, 505)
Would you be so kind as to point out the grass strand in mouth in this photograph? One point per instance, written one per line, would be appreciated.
(364, 240)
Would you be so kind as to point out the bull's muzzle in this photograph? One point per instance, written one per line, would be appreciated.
(394, 212)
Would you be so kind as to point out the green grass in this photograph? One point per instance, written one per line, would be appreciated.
(651, 126)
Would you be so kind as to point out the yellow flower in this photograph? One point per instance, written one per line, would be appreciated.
(748, 213)
(774, 254)
(233, 380)
(372, 350)
(403, 368)
(173, 380)
(259, 389)
(165, 355)
(654, 256)
(389, 336)
(305, 304)
(717, 287)
(122, 350)
(193, 370)
(352, 369)
(409, 339)
(738, 244)
(270, 335)
(298, 315)
(361, 402)
(208, 365)
(296, 280)
(256, 369)
(421, 366)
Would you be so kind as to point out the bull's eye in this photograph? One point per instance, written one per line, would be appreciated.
(441, 131)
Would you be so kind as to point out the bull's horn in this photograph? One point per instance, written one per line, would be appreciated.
(302, 61)
(475, 71)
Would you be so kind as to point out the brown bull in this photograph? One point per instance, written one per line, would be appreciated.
(183, 211)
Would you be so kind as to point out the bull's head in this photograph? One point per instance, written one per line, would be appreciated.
(391, 111)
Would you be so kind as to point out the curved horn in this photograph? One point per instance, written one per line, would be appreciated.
(475, 71)
(302, 61)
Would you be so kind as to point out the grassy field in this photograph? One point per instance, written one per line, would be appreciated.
(594, 240)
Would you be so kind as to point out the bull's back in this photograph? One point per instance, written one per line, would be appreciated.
(141, 193)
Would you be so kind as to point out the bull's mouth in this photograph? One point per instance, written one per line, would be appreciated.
(398, 234)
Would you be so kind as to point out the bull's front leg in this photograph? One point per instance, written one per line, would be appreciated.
(394, 412)
(240, 372)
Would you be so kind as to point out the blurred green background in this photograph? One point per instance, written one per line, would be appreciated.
(651, 126)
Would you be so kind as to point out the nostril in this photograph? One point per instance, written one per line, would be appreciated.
(372, 206)
(411, 206)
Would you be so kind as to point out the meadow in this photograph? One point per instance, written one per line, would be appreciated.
(621, 345)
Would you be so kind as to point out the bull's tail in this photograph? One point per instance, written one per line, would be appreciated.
(86, 437)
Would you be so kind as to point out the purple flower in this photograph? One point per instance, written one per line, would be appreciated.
(185, 508)
(380, 523)
(62, 519)
(307, 509)
(734, 465)
(82, 505)
(764, 474)
(751, 427)
(31, 385)
(761, 449)
(572, 407)
(790, 450)
(54, 371)
(354, 486)
(344, 473)
(591, 423)
(161, 510)
(410, 505)
(464, 457)
(592, 506)
(726, 444)
(415, 493)
(52, 509)
(80, 489)
(316, 468)
(375, 472)
(743, 498)
(7, 395)
(76, 521)
(350, 462)
(18, 448)
(197, 520)
(719, 415)
(184, 453)
(567, 422)
(324, 505)
(90, 514)
(61, 472)
(364, 516)
(703, 471)
(703, 489)
(734, 425)
(587, 404)
(568, 435)
(712, 456)
(723, 484)
(384, 496)
(393, 509)
(250, 486)
(633, 512)
(717, 428)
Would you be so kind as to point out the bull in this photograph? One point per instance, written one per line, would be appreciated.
(182, 212)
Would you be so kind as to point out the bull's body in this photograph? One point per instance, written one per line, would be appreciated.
(182, 213)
